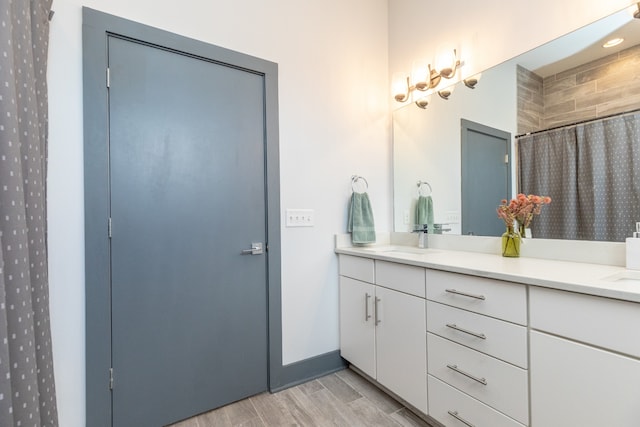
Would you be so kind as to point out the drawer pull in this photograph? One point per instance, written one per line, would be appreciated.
(475, 334)
(464, 294)
(455, 415)
(367, 316)
(466, 374)
(377, 319)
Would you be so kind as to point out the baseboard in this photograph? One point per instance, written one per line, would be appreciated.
(305, 370)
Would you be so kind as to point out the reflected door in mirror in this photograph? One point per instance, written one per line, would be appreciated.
(486, 177)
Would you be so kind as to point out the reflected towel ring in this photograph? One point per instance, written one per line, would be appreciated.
(422, 185)
(355, 179)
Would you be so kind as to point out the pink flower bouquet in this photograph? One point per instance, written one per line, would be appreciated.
(521, 209)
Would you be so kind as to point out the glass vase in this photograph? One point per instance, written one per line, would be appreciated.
(511, 243)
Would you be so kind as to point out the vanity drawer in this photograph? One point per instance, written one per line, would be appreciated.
(504, 340)
(357, 268)
(600, 321)
(446, 403)
(404, 278)
(495, 298)
(498, 384)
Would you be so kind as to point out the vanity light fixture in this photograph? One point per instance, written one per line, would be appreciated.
(425, 78)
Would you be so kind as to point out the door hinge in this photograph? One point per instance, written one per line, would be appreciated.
(109, 227)
(506, 158)
(110, 378)
(108, 77)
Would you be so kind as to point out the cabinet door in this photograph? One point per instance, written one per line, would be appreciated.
(574, 384)
(357, 327)
(401, 347)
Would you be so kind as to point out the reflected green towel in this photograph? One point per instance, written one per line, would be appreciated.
(360, 222)
(424, 212)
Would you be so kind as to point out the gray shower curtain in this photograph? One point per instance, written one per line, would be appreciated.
(592, 173)
(548, 167)
(27, 390)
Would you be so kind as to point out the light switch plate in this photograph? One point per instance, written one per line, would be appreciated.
(299, 218)
(452, 217)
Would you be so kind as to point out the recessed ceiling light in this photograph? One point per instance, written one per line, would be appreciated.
(613, 42)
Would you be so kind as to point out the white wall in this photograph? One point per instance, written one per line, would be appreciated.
(485, 33)
(334, 122)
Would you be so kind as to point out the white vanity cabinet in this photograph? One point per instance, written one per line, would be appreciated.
(382, 324)
(477, 358)
(585, 360)
(532, 349)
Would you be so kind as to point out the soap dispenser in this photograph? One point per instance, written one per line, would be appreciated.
(633, 249)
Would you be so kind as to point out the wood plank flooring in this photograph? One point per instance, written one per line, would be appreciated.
(343, 399)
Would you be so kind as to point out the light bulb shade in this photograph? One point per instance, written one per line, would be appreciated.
(423, 101)
(472, 81)
(400, 86)
(446, 92)
(420, 74)
(447, 63)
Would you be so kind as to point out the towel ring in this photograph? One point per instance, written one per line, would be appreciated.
(355, 179)
(421, 186)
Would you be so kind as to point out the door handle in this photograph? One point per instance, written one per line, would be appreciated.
(256, 249)
(455, 368)
(367, 316)
(376, 312)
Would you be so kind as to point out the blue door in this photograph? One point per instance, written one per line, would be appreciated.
(486, 177)
(187, 200)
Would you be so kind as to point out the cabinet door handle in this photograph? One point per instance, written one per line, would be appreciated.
(466, 374)
(455, 415)
(466, 331)
(377, 311)
(464, 294)
(367, 316)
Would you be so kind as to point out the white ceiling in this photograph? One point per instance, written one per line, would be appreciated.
(583, 45)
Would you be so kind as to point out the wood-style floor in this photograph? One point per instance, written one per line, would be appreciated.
(343, 399)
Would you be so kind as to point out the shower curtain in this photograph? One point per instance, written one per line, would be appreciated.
(27, 390)
(592, 173)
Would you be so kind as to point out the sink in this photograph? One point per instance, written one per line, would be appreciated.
(400, 250)
(628, 276)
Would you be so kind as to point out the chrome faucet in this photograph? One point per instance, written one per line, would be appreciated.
(422, 236)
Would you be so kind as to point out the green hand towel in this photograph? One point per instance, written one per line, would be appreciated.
(424, 212)
(360, 222)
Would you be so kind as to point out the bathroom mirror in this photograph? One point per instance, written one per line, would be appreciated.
(427, 142)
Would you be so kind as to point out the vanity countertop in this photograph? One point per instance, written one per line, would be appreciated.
(593, 279)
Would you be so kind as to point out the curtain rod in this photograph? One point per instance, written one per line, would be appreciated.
(578, 123)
